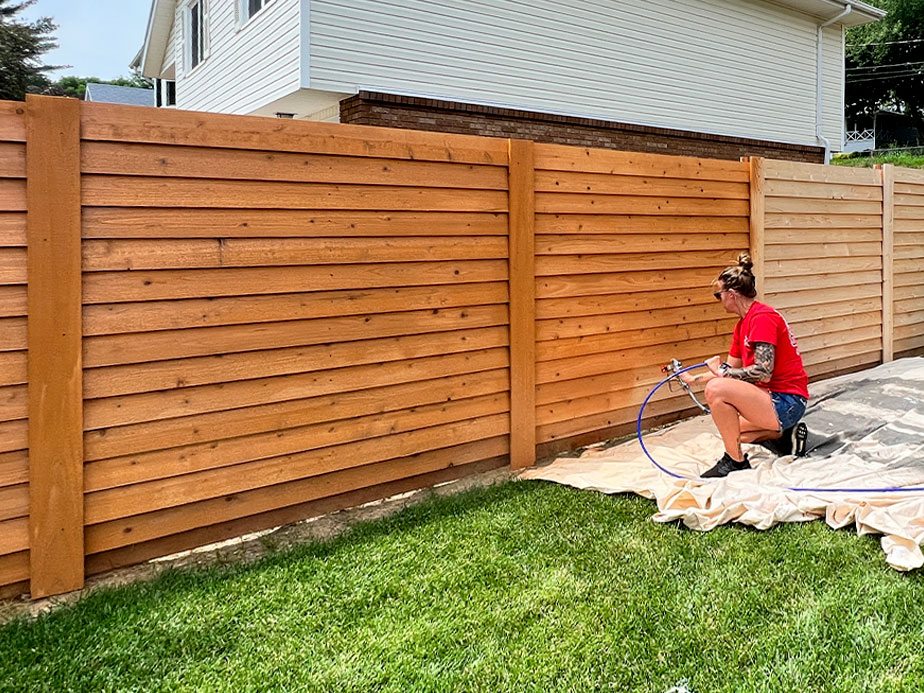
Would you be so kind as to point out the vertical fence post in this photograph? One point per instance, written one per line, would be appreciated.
(522, 208)
(758, 251)
(888, 260)
(54, 341)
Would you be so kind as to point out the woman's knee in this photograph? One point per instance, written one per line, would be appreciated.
(715, 389)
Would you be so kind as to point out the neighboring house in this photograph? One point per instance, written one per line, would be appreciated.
(702, 77)
(110, 93)
(884, 130)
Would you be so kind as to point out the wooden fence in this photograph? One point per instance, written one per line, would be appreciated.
(233, 323)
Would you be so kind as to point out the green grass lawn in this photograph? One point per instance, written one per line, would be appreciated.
(899, 159)
(522, 587)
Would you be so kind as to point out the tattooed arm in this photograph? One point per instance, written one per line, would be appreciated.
(761, 370)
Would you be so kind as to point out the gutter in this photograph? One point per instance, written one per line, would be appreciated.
(819, 79)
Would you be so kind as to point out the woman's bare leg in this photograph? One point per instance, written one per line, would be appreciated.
(728, 398)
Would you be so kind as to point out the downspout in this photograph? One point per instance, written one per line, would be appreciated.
(819, 78)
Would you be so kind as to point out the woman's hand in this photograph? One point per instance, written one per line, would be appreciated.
(713, 365)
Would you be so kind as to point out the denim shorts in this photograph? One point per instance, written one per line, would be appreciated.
(789, 408)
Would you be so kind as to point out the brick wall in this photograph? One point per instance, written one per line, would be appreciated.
(389, 110)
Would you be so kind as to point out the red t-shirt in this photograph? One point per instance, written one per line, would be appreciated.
(763, 324)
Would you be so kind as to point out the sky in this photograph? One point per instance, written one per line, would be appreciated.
(98, 38)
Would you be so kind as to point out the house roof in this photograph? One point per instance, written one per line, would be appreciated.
(160, 22)
(110, 93)
(860, 12)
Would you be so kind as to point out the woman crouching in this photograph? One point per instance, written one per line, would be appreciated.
(760, 393)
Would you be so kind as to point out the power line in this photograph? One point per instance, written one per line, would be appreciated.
(896, 75)
(886, 66)
(884, 43)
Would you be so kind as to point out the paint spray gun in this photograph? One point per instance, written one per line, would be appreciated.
(672, 368)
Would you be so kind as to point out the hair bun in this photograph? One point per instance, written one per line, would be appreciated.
(745, 262)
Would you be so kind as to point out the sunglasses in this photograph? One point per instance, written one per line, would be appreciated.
(718, 294)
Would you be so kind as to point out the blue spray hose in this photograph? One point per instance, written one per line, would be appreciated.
(641, 412)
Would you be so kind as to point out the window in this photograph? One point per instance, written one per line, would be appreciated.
(165, 90)
(248, 8)
(196, 26)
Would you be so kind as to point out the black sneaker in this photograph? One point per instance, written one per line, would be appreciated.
(799, 438)
(726, 466)
(782, 446)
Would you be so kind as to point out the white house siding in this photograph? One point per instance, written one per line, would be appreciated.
(245, 66)
(169, 54)
(735, 67)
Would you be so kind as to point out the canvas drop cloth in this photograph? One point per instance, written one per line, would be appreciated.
(866, 430)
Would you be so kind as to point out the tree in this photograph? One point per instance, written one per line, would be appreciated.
(77, 86)
(885, 63)
(21, 46)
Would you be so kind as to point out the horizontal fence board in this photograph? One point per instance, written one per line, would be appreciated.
(556, 157)
(14, 403)
(160, 523)
(553, 265)
(908, 212)
(910, 330)
(13, 436)
(14, 535)
(909, 266)
(610, 224)
(908, 200)
(12, 368)
(12, 334)
(832, 355)
(803, 267)
(833, 208)
(132, 191)
(909, 238)
(825, 369)
(108, 122)
(905, 226)
(14, 468)
(822, 191)
(12, 123)
(14, 569)
(611, 323)
(584, 345)
(596, 284)
(12, 229)
(12, 266)
(615, 184)
(909, 252)
(113, 255)
(912, 279)
(12, 301)
(909, 343)
(604, 304)
(207, 341)
(12, 195)
(913, 290)
(119, 318)
(12, 160)
(231, 164)
(819, 173)
(118, 411)
(821, 237)
(110, 504)
(909, 305)
(855, 306)
(907, 188)
(162, 222)
(608, 419)
(14, 502)
(176, 374)
(202, 428)
(814, 342)
(817, 251)
(567, 244)
(594, 405)
(821, 281)
(161, 464)
(909, 175)
(568, 203)
(595, 364)
(813, 298)
(815, 219)
(825, 323)
(154, 285)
